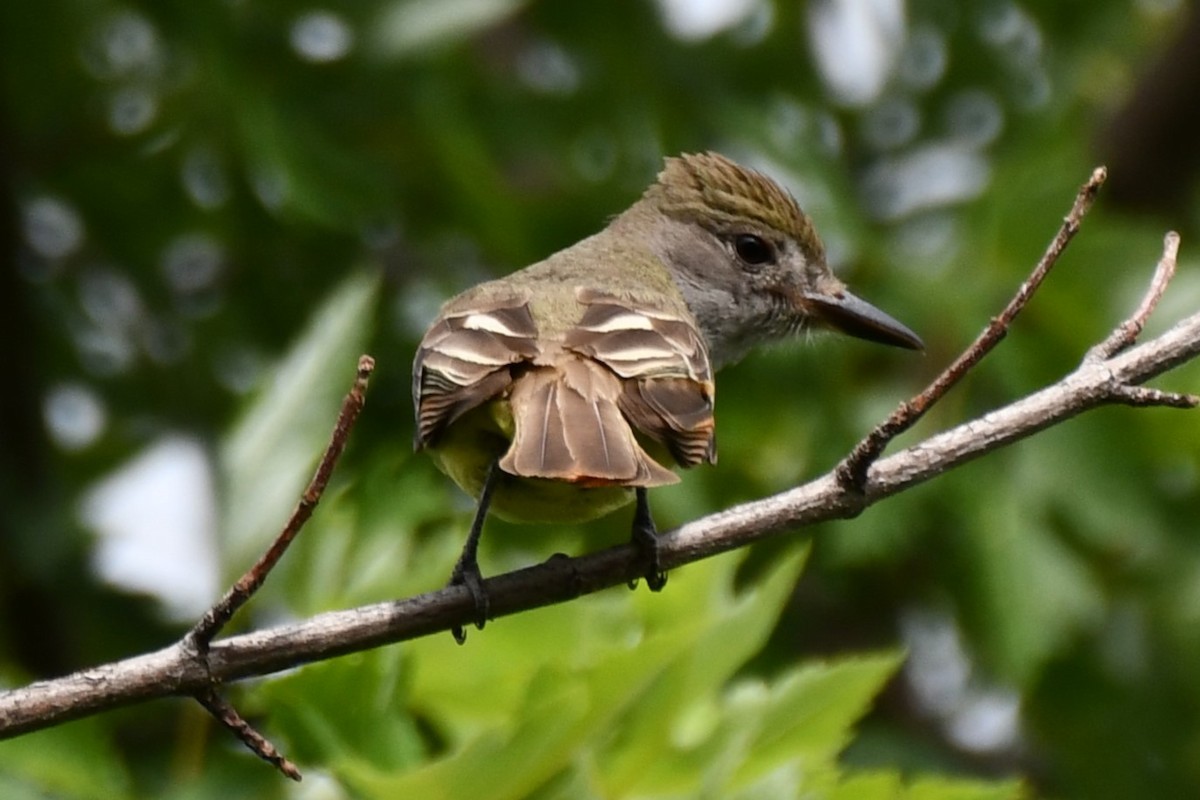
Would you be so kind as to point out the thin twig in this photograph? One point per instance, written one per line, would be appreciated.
(216, 617)
(198, 640)
(1128, 331)
(852, 471)
(1144, 396)
(1125, 335)
(228, 716)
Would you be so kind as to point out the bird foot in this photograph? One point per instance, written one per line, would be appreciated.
(467, 574)
(645, 538)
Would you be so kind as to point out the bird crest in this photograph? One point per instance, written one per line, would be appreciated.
(709, 188)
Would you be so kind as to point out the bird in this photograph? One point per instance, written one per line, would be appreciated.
(569, 388)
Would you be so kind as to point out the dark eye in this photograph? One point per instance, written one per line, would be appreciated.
(753, 250)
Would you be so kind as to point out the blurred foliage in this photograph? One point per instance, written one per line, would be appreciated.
(211, 208)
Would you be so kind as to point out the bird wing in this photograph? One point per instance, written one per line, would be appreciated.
(463, 361)
(667, 389)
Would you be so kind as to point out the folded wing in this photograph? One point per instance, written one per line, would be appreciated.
(667, 386)
(465, 360)
(575, 402)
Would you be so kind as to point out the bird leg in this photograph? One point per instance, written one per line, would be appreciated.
(466, 571)
(645, 538)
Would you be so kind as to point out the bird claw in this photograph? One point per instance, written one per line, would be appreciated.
(645, 538)
(468, 575)
(655, 578)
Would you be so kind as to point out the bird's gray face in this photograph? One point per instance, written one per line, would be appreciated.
(746, 258)
(748, 284)
(806, 289)
(777, 275)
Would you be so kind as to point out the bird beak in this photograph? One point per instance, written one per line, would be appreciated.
(853, 316)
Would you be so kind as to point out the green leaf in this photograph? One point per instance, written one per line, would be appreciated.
(407, 28)
(1034, 592)
(809, 714)
(873, 786)
(937, 788)
(891, 786)
(353, 707)
(507, 762)
(76, 761)
(682, 707)
(271, 453)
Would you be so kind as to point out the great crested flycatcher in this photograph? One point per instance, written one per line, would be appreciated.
(557, 393)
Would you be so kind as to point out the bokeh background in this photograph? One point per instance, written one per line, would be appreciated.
(209, 210)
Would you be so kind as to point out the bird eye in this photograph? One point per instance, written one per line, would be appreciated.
(753, 250)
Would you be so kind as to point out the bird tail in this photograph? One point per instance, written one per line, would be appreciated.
(569, 427)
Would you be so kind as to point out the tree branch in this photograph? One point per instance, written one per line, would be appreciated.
(1111, 373)
(852, 472)
(213, 620)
